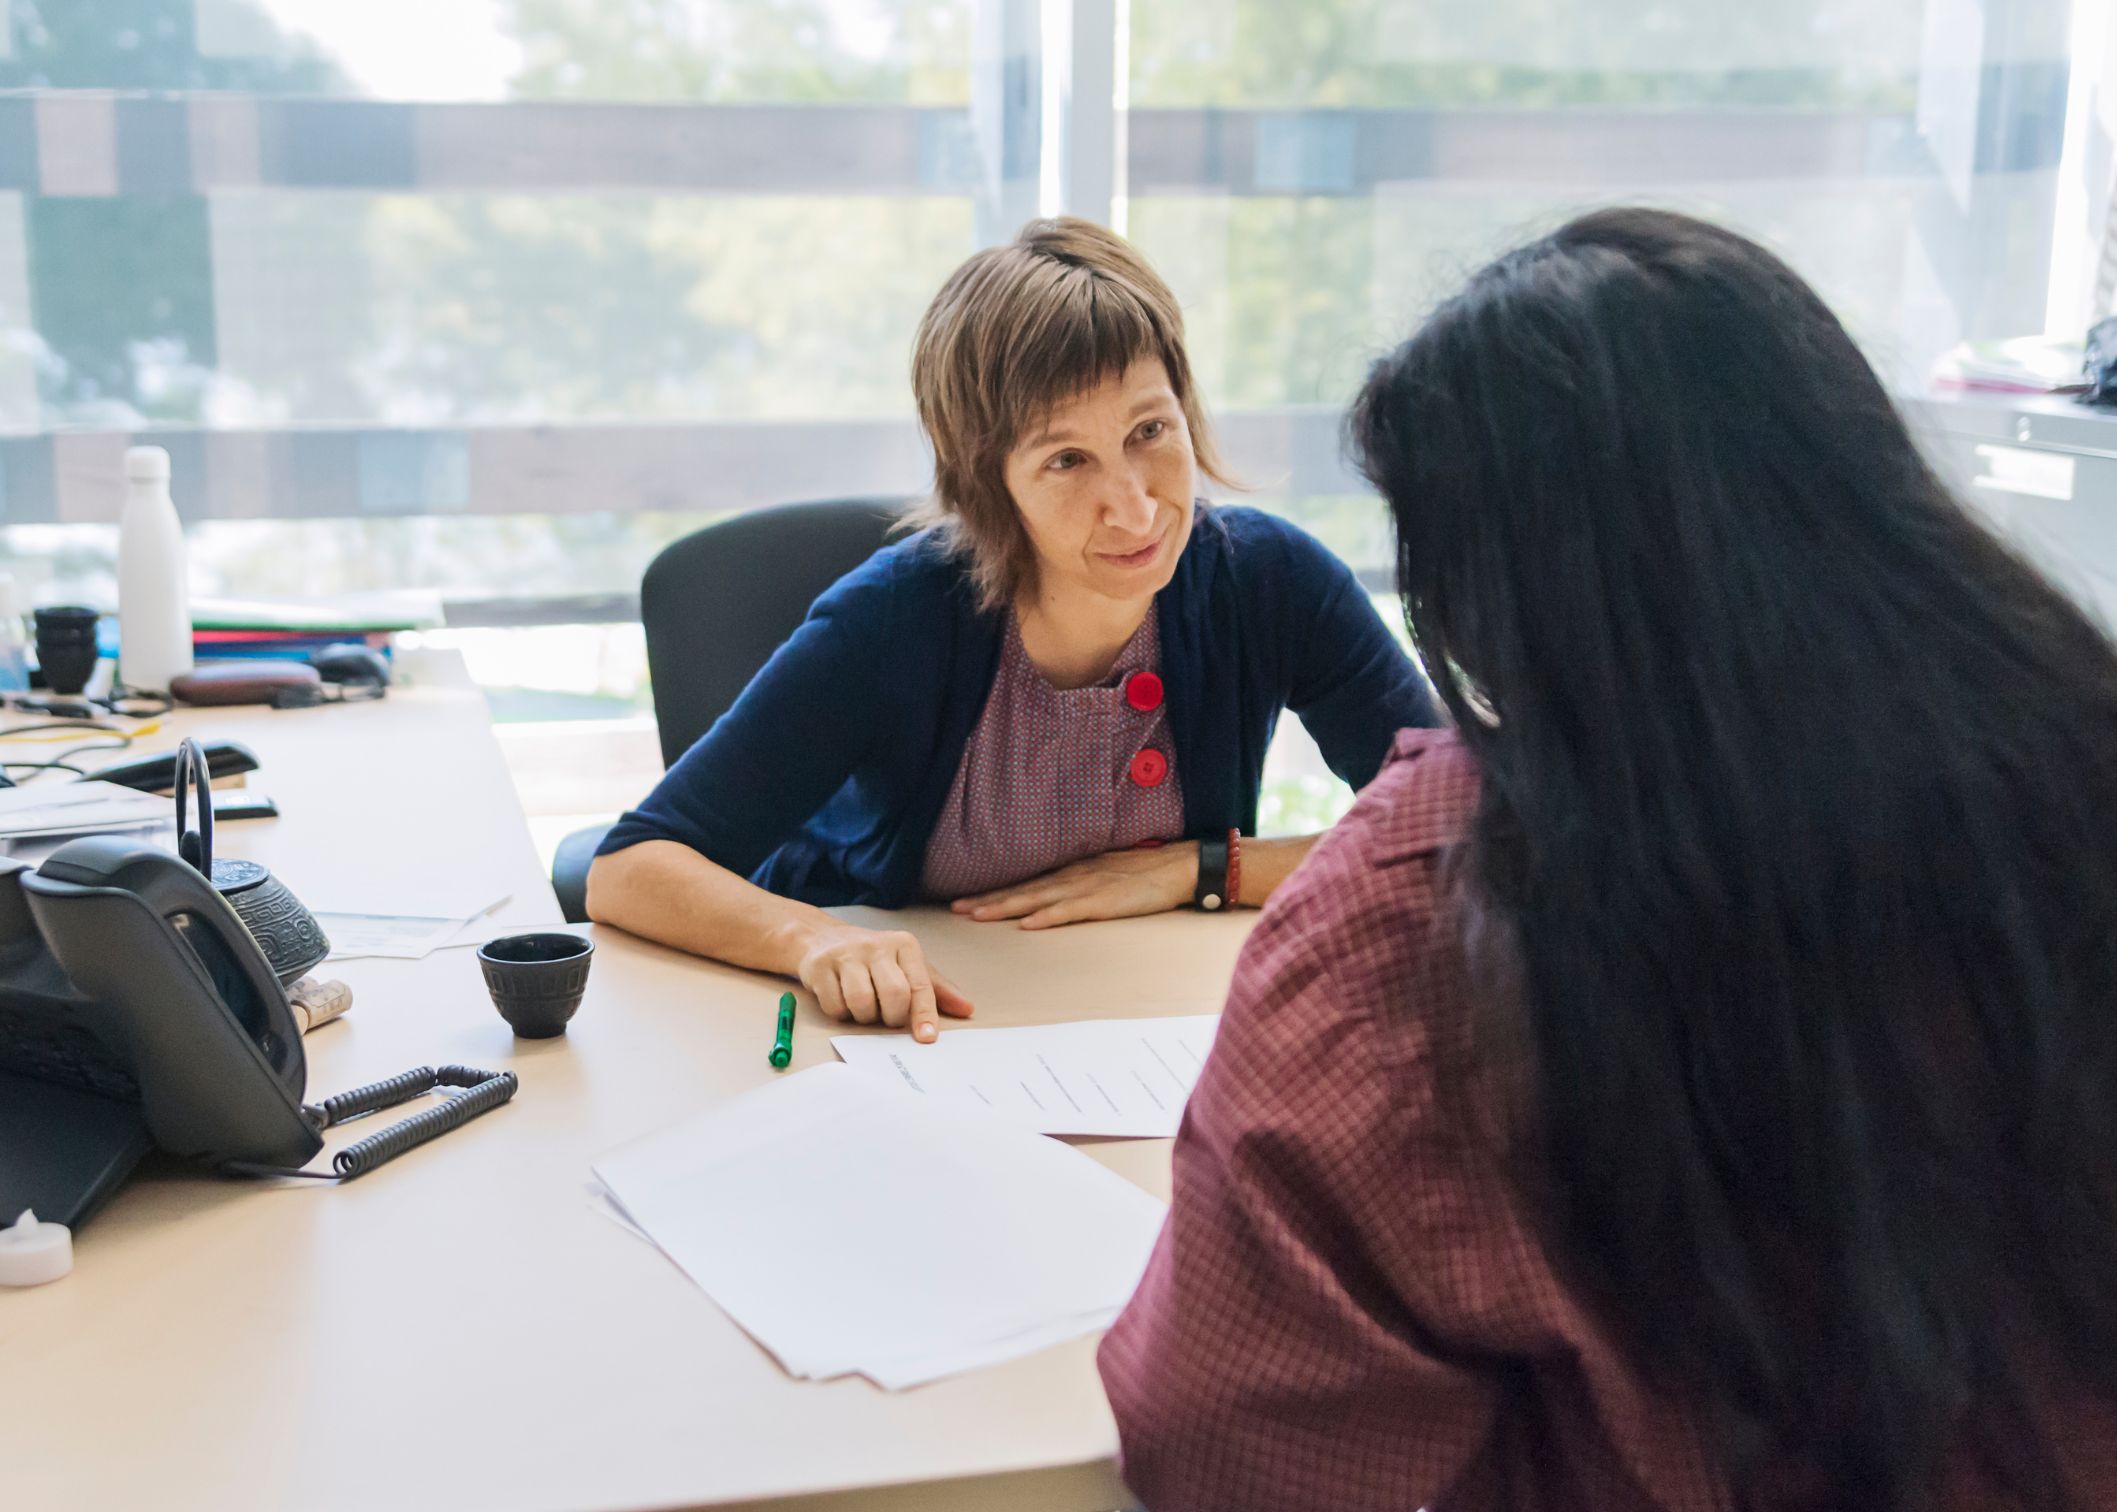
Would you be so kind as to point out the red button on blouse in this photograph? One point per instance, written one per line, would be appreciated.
(1149, 767)
(1143, 692)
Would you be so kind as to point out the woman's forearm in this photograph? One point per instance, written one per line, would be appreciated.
(668, 892)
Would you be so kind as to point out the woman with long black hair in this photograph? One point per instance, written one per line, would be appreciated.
(1693, 1082)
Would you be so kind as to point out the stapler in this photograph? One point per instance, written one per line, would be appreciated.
(157, 774)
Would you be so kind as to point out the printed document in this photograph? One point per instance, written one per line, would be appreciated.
(1112, 1077)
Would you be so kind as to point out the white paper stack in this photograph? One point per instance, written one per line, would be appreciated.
(852, 1230)
(1118, 1078)
(79, 808)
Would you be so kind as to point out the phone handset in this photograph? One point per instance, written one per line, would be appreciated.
(183, 993)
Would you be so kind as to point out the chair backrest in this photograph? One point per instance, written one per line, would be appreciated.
(719, 602)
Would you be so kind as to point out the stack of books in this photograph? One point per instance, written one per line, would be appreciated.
(271, 630)
(2020, 365)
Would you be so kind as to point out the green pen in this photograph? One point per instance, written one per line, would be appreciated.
(783, 1041)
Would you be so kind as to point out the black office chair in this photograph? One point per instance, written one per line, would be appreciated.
(716, 605)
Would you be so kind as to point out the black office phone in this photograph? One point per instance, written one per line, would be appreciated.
(135, 1010)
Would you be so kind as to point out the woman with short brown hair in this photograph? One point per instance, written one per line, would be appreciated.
(1052, 702)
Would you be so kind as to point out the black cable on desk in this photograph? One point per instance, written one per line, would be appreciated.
(38, 726)
(482, 1092)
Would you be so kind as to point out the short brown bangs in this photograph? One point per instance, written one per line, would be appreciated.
(1065, 341)
(1015, 333)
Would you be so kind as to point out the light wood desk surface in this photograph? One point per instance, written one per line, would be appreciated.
(461, 1329)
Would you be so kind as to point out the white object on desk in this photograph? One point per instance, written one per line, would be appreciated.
(848, 1228)
(79, 808)
(318, 1003)
(1118, 1078)
(406, 936)
(401, 937)
(154, 603)
(32, 1253)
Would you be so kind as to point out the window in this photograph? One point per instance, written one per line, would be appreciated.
(500, 311)
(1312, 177)
(496, 314)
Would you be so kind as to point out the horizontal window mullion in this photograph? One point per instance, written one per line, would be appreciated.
(93, 142)
(357, 472)
(1357, 152)
(96, 142)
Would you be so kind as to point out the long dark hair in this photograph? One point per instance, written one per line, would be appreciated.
(1799, 824)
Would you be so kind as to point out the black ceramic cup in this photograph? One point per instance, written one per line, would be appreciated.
(66, 647)
(536, 980)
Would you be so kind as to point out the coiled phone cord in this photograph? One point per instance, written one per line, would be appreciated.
(482, 1092)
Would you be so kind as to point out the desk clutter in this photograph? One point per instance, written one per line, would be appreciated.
(770, 1203)
(160, 649)
(156, 1000)
(850, 1229)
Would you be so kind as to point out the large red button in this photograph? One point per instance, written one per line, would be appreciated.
(1149, 767)
(1143, 692)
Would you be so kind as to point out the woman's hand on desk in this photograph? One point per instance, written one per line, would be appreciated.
(669, 892)
(878, 977)
(1114, 885)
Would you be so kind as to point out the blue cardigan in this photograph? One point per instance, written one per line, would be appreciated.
(825, 779)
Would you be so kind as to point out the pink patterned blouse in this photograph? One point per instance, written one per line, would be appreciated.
(1053, 775)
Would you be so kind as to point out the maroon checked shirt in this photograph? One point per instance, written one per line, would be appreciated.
(1349, 1307)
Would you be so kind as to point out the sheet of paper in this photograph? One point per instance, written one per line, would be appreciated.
(403, 937)
(813, 1211)
(1114, 1077)
(483, 928)
(409, 891)
(918, 1370)
(603, 1203)
(79, 808)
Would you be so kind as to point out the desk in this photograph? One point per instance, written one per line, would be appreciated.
(461, 1329)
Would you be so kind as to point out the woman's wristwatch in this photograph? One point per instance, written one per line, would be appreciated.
(1219, 873)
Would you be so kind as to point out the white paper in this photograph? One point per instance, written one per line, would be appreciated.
(79, 808)
(402, 937)
(406, 894)
(599, 1198)
(1120, 1078)
(919, 1370)
(848, 1228)
(413, 938)
(485, 928)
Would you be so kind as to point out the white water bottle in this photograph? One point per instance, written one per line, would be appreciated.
(154, 599)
